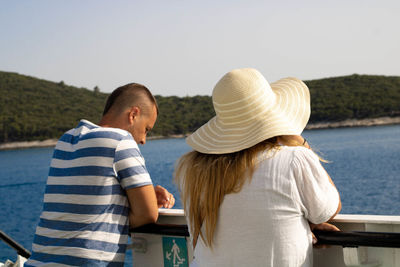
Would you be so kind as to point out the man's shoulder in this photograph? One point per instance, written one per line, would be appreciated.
(108, 132)
(95, 135)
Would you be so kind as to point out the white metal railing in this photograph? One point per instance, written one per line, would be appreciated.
(349, 247)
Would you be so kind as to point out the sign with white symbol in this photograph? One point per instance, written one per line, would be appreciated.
(175, 252)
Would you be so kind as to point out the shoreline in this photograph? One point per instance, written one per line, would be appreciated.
(354, 123)
(312, 126)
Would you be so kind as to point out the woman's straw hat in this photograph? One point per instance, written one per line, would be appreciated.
(250, 110)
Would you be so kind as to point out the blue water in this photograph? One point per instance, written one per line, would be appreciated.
(364, 164)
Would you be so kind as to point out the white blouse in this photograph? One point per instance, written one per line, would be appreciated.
(266, 223)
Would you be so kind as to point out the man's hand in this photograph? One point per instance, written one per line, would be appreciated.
(164, 198)
(323, 227)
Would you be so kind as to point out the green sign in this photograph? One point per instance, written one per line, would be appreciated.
(175, 252)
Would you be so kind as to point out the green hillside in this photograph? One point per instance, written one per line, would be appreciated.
(355, 97)
(35, 109)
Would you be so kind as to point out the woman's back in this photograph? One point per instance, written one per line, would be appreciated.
(245, 214)
(265, 224)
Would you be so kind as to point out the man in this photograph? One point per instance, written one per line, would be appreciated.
(98, 186)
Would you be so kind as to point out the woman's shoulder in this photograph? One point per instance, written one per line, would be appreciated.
(288, 154)
(294, 150)
(301, 156)
(296, 153)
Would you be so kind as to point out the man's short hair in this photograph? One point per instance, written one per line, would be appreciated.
(129, 95)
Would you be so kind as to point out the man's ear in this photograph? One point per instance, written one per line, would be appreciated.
(133, 113)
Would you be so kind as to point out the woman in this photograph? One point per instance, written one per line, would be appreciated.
(252, 186)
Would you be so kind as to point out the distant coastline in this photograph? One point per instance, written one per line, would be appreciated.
(311, 126)
(28, 144)
(354, 123)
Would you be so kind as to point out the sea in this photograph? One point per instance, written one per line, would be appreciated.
(363, 162)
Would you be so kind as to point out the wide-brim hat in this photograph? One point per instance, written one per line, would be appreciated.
(250, 110)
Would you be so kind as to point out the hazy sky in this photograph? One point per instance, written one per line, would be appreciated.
(183, 47)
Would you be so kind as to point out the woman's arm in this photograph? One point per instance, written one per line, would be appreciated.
(340, 202)
(298, 140)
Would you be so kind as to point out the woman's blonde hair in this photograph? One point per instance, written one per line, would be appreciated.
(204, 180)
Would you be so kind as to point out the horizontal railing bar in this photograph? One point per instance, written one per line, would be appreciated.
(15, 245)
(162, 229)
(345, 239)
(355, 239)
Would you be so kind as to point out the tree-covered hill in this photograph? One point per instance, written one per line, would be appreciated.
(35, 109)
(180, 115)
(354, 97)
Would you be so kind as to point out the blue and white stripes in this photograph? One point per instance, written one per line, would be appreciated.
(85, 212)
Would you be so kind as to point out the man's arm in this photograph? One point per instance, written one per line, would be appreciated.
(144, 202)
(143, 205)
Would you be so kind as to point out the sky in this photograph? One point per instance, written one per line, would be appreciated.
(183, 47)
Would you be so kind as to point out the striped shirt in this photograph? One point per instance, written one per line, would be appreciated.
(85, 221)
